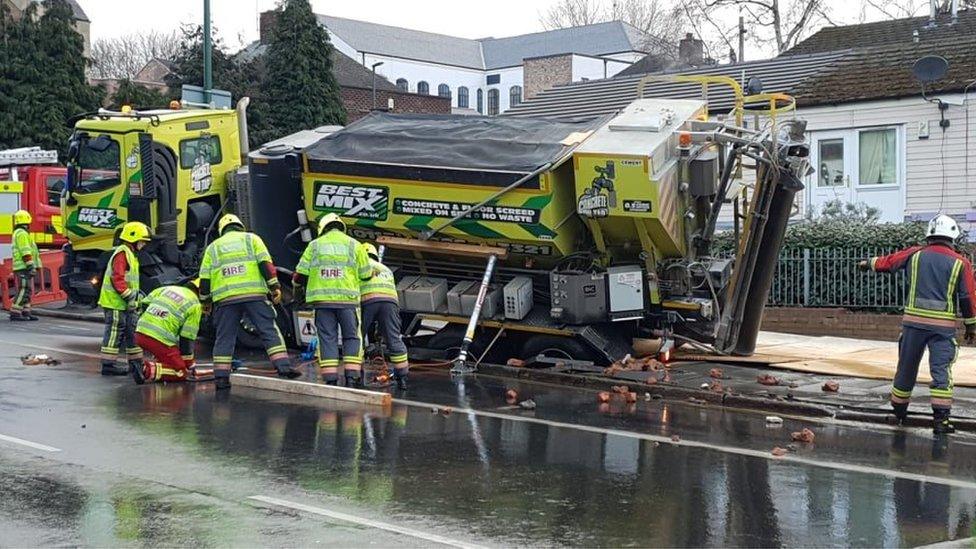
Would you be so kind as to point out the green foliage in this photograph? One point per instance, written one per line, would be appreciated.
(837, 210)
(825, 233)
(138, 97)
(302, 92)
(44, 81)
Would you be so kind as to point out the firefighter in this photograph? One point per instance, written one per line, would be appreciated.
(27, 260)
(167, 329)
(328, 278)
(381, 306)
(119, 298)
(238, 277)
(941, 283)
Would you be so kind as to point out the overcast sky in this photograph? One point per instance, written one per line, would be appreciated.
(236, 20)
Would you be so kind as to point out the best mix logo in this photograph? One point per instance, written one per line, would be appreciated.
(97, 217)
(352, 200)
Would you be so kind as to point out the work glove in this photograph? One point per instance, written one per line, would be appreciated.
(299, 294)
(864, 265)
(274, 294)
(970, 333)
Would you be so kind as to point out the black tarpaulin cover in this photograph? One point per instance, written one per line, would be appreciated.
(498, 144)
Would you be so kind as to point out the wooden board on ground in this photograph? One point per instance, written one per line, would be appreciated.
(837, 356)
(347, 394)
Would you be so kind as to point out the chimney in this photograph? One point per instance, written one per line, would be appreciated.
(266, 26)
(691, 51)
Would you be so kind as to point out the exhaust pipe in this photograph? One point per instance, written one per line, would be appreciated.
(242, 127)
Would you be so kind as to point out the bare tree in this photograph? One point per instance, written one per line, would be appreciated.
(124, 56)
(774, 24)
(660, 21)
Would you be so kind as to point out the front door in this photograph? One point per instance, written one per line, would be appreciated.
(860, 167)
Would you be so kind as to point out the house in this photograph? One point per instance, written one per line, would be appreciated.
(82, 23)
(488, 75)
(152, 75)
(875, 138)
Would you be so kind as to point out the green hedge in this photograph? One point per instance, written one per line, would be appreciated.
(839, 235)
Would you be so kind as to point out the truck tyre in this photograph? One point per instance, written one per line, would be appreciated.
(557, 347)
(448, 339)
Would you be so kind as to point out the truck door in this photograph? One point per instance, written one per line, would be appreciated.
(97, 202)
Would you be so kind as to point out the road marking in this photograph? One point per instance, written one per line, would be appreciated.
(434, 538)
(29, 444)
(50, 349)
(764, 454)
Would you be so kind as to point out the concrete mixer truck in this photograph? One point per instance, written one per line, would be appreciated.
(515, 237)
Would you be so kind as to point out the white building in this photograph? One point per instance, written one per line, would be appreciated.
(487, 75)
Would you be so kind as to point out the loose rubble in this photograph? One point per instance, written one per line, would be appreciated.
(805, 436)
(768, 379)
(831, 387)
(34, 360)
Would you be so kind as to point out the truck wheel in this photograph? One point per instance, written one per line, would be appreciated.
(448, 339)
(557, 347)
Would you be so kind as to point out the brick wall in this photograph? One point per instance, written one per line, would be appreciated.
(834, 322)
(542, 73)
(359, 101)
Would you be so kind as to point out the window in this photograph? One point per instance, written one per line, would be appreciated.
(402, 84)
(444, 91)
(514, 96)
(481, 101)
(98, 160)
(877, 158)
(493, 101)
(831, 163)
(206, 149)
(493, 79)
(55, 184)
(423, 88)
(462, 97)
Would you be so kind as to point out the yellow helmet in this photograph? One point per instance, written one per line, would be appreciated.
(134, 231)
(228, 220)
(22, 217)
(371, 250)
(193, 283)
(329, 219)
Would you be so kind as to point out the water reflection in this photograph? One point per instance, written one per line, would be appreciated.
(520, 482)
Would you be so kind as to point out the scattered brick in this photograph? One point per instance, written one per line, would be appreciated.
(831, 387)
(779, 452)
(768, 379)
(717, 373)
(805, 436)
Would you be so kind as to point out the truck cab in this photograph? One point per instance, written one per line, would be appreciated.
(40, 194)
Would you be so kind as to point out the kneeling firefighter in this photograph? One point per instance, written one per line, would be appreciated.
(941, 282)
(168, 330)
(328, 278)
(239, 278)
(119, 298)
(381, 306)
(26, 262)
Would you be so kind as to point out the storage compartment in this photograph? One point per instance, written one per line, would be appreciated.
(423, 294)
(518, 297)
(578, 298)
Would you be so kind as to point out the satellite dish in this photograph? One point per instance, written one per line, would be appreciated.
(930, 68)
(754, 86)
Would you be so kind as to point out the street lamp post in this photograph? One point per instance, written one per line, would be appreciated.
(207, 53)
(378, 63)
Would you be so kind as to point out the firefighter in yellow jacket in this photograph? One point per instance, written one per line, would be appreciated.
(329, 274)
(27, 260)
(381, 306)
(119, 298)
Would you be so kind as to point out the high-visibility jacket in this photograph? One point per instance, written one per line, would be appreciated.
(172, 312)
(382, 287)
(109, 297)
(232, 265)
(335, 265)
(23, 245)
(941, 285)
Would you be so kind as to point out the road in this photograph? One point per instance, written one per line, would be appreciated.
(88, 460)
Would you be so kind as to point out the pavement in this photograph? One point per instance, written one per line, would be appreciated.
(88, 460)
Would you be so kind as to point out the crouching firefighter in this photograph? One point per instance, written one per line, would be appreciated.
(119, 298)
(26, 262)
(941, 284)
(381, 306)
(238, 277)
(168, 330)
(328, 277)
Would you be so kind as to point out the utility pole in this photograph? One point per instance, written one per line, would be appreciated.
(742, 37)
(207, 53)
(378, 63)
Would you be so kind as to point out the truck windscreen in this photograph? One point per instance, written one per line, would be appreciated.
(100, 166)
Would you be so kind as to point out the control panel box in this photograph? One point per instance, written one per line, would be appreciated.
(462, 297)
(578, 298)
(424, 294)
(625, 292)
(518, 297)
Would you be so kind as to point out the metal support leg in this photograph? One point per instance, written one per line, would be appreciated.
(461, 362)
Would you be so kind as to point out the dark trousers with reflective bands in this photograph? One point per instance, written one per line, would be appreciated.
(227, 319)
(942, 349)
(120, 336)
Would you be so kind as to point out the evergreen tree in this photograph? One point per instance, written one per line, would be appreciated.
(44, 82)
(300, 88)
(138, 97)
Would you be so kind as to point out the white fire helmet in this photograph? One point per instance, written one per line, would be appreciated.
(943, 225)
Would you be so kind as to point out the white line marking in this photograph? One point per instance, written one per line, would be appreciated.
(789, 458)
(50, 349)
(365, 522)
(29, 444)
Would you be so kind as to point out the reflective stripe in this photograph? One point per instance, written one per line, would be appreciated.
(171, 312)
(928, 307)
(109, 298)
(913, 277)
(899, 393)
(23, 245)
(951, 290)
(334, 264)
(231, 263)
(383, 284)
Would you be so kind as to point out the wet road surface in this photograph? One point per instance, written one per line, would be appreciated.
(87, 460)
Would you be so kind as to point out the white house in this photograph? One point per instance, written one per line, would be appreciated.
(487, 75)
(875, 139)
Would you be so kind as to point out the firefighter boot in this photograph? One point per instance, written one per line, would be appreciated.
(222, 379)
(941, 424)
(18, 317)
(285, 369)
(901, 411)
(112, 369)
(138, 369)
(355, 381)
(401, 379)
